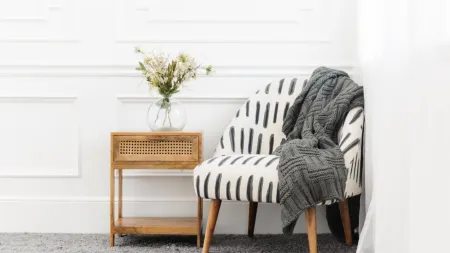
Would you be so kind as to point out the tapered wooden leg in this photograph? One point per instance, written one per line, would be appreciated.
(345, 216)
(119, 211)
(111, 240)
(212, 219)
(199, 221)
(252, 210)
(311, 227)
(119, 195)
(111, 210)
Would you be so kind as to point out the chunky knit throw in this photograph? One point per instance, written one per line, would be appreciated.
(312, 168)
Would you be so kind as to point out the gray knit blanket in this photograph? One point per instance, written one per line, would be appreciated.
(311, 168)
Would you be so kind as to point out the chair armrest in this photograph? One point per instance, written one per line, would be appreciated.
(350, 142)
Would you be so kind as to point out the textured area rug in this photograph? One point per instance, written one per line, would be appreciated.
(50, 243)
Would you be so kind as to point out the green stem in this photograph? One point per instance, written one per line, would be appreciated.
(165, 104)
(170, 109)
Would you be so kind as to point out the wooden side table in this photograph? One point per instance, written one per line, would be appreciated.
(154, 150)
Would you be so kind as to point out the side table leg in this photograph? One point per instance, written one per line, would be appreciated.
(112, 190)
(120, 194)
(119, 211)
(199, 221)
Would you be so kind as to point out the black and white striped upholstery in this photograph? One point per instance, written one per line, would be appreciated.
(243, 168)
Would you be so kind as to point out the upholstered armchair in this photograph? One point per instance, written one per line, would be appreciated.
(243, 169)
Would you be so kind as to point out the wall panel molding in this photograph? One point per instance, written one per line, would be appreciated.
(41, 174)
(292, 22)
(224, 41)
(74, 171)
(139, 98)
(37, 99)
(129, 70)
(101, 199)
(56, 22)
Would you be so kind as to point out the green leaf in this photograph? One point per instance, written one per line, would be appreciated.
(142, 65)
(174, 88)
(208, 69)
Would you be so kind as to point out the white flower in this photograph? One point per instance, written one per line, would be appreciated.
(158, 70)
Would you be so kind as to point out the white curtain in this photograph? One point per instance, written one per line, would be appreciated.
(403, 65)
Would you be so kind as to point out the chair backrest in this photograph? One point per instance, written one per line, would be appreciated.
(256, 129)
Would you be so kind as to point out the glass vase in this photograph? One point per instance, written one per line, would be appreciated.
(166, 114)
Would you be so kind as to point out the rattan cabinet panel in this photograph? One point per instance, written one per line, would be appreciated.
(156, 148)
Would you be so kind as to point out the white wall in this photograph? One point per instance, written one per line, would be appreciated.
(67, 80)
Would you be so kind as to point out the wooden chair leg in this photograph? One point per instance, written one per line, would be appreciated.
(212, 219)
(345, 216)
(252, 210)
(111, 240)
(311, 227)
(199, 221)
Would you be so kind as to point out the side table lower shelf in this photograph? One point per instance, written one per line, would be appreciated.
(159, 225)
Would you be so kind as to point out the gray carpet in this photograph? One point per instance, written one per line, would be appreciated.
(50, 243)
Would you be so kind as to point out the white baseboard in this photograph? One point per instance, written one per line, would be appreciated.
(91, 214)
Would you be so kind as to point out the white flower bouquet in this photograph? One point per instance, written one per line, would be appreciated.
(167, 77)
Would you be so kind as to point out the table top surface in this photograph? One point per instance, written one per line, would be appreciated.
(155, 133)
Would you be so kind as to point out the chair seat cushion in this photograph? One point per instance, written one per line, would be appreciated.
(239, 177)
